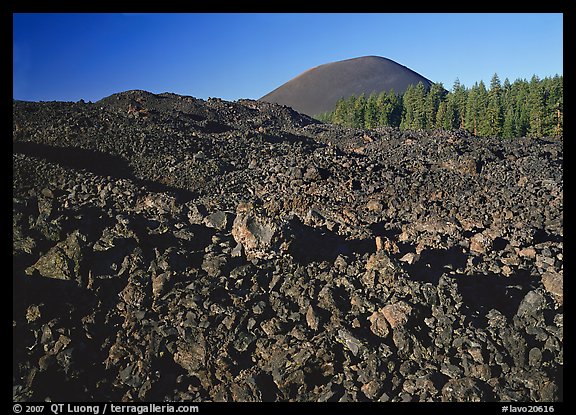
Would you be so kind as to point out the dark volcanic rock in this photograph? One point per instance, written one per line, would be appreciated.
(462, 390)
(168, 248)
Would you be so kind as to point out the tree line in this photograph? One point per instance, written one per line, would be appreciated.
(523, 108)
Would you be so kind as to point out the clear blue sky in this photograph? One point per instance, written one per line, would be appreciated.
(67, 57)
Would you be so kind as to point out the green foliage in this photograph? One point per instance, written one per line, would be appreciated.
(432, 100)
(408, 110)
(389, 107)
(459, 98)
(371, 112)
(358, 112)
(536, 105)
(504, 110)
(473, 109)
(494, 109)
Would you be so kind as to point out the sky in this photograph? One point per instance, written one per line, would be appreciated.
(89, 56)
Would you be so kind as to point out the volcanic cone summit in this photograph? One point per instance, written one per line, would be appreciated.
(318, 89)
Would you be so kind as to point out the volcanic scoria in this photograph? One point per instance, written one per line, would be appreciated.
(171, 248)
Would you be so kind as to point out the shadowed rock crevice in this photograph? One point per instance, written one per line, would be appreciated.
(482, 293)
(432, 263)
(96, 162)
(316, 245)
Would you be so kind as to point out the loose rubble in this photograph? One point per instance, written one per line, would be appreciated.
(167, 248)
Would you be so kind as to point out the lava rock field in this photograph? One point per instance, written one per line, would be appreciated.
(167, 248)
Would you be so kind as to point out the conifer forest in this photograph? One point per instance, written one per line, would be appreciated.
(519, 109)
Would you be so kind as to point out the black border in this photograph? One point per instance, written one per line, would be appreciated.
(44, 6)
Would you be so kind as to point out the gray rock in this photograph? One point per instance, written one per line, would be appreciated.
(219, 220)
(63, 260)
(532, 304)
(312, 318)
(349, 341)
(243, 341)
(191, 354)
(462, 390)
(214, 265)
(534, 357)
(450, 370)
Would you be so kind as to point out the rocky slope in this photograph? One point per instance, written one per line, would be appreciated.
(169, 248)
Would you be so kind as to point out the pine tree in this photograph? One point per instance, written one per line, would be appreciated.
(460, 97)
(350, 111)
(508, 111)
(371, 112)
(559, 131)
(450, 120)
(560, 106)
(536, 109)
(432, 103)
(509, 125)
(340, 112)
(395, 114)
(476, 121)
(441, 115)
(409, 108)
(359, 110)
(553, 92)
(381, 108)
(494, 108)
(482, 98)
(389, 109)
(472, 110)
(521, 116)
(419, 122)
